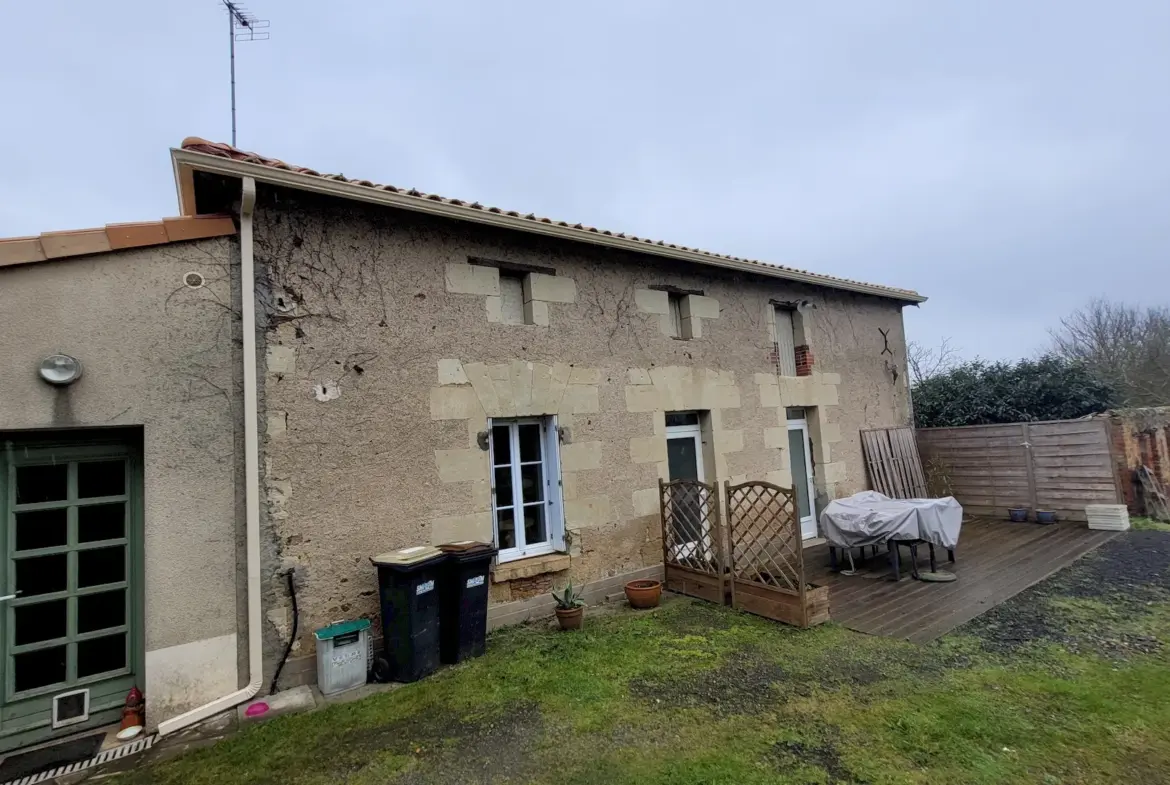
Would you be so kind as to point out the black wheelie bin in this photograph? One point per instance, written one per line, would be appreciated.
(463, 600)
(408, 582)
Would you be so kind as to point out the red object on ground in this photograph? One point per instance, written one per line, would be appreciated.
(256, 709)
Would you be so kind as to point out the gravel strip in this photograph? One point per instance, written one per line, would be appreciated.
(1126, 574)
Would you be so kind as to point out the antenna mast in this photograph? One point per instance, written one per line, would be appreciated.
(242, 26)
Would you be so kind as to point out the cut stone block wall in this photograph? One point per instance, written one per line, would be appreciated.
(384, 371)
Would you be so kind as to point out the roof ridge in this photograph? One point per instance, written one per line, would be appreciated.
(220, 149)
(112, 237)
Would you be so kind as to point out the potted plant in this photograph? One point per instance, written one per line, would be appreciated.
(570, 607)
(644, 594)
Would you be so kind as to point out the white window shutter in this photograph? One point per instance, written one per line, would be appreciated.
(785, 346)
(554, 514)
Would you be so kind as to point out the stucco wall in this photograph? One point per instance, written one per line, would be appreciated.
(386, 355)
(163, 356)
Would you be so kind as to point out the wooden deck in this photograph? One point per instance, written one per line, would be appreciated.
(995, 560)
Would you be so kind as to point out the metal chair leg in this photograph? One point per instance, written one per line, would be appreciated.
(933, 567)
(951, 555)
(892, 546)
(914, 560)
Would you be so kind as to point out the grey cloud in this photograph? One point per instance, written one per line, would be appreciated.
(1008, 159)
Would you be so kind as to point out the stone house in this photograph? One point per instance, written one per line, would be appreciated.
(421, 370)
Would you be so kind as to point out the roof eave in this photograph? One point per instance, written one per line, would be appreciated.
(186, 162)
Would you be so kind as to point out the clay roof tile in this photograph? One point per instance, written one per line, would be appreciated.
(219, 149)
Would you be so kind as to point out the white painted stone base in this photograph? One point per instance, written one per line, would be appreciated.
(180, 678)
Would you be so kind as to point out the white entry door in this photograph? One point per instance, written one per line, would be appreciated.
(802, 472)
(684, 446)
(684, 456)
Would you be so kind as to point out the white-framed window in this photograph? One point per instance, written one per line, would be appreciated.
(527, 511)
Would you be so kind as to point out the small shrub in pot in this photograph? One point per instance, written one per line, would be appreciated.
(570, 607)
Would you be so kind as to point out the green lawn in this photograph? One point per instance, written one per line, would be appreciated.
(694, 693)
(1148, 524)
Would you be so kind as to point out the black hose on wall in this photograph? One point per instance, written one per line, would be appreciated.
(292, 593)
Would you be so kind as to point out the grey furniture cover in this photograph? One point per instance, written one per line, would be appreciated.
(871, 518)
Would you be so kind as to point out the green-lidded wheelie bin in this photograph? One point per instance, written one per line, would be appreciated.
(463, 600)
(408, 582)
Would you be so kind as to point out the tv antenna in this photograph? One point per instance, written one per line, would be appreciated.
(242, 26)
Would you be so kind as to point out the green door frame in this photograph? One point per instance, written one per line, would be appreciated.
(26, 717)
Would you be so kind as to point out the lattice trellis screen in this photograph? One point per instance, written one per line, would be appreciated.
(764, 536)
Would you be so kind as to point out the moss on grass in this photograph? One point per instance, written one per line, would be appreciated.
(692, 693)
(1139, 523)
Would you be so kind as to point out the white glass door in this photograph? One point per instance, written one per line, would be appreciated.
(802, 472)
(684, 456)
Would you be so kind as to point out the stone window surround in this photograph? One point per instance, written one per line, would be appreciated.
(530, 567)
(475, 393)
(468, 392)
(482, 277)
(817, 392)
(663, 389)
(802, 354)
(693, 310)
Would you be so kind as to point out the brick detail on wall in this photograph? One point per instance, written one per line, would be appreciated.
(1125, 475)
(804, 361)
(523, 588)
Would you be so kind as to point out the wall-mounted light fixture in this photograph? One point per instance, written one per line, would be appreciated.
(60, 369)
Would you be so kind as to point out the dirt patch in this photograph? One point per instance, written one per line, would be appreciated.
(821, 754)
(693, 617)
(447, 748)
(1095, 604)
(740, 686)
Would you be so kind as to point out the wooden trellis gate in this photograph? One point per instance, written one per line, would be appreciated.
(692, 539)
(766, 556)
(756, 564)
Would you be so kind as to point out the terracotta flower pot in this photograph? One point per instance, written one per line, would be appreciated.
(644, 594)
(571, 618)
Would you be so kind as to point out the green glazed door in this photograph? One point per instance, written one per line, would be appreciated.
(70, 579)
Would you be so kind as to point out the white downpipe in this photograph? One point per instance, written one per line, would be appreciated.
(251, 479)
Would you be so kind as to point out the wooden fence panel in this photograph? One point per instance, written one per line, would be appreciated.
(891, 456)
(1059, 466)
(1067, 489)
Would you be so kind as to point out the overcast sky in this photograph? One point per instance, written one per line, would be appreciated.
(1008, 159)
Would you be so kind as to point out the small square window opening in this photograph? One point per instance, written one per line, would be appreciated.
(676, 327)
(511, 298)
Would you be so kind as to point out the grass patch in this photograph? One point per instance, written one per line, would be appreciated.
(693, 693)
(1138, 523)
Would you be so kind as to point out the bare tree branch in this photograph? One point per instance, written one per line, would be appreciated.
(1123, 345)
(925, 362)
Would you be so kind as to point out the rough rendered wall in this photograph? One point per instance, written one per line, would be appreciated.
(165, 357)
(386, 355)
